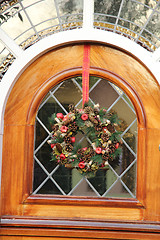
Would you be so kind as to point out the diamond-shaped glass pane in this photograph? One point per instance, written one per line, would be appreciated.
(125, 114)
(39, 175)
(63, 177)
(130, 137)
(49, 188)
(116, 180)
(125, 160)
(84, 189)
(68, 93)
(118, 190)
(41, 134)
(44, 156)
(104, 94)
(129, 178)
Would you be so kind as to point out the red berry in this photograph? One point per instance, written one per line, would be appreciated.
(117, 145)
(60, 115)
(62, 156)
(52, 145)
(98, 150)
(84, 116)
(84, 149)
(73, 139)
(64, 129)
(81, 165)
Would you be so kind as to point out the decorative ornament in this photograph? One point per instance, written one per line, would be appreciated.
(97, 126)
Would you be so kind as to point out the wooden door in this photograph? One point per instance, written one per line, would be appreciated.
(27, 216)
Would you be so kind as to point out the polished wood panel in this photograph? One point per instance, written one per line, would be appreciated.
(57, 65)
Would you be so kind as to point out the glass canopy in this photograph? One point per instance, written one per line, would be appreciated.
(28, 21)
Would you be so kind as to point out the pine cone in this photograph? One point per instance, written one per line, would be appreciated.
(112, 148)
(69, 148)
(59, 147)
(80, 151)
(88, 110)
(93, 120)
(105, 156)
(110, 128)
(105, 137)
(67, 139)
(98, 128)
(72, 108)
(73, 127)
(69, 120)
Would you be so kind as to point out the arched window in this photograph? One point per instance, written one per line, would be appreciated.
(119, 180)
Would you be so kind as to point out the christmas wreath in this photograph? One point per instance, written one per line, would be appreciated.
(98, 126)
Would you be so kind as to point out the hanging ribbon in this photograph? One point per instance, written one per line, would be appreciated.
(85, 73)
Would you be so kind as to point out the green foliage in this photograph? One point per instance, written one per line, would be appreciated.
(91, 133)
(102, 114)
(79, 121)
(117, 152)
(97, 158)
(52, 120)
(113, 117)
(53, 157)
(76, 147)
(115, 136)
(57, 139)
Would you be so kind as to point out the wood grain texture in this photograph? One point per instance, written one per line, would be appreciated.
(28, 233)
(57, 65)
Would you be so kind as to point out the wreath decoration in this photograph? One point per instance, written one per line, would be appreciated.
(98, 126)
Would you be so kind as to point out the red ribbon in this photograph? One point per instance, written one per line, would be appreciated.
(85, 74)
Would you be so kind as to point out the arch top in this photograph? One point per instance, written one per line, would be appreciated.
(60, 63)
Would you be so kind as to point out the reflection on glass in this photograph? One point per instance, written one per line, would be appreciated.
(107, 7)
(119, 179)
(70, 10)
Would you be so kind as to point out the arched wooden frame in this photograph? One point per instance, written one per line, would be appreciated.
(32, 111)
(60, 64)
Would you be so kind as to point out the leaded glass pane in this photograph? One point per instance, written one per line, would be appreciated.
(130, 18)
(119, 179)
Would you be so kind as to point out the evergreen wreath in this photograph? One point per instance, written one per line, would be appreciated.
(98, 126)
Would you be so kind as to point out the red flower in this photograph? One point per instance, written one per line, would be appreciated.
(98, 150)
(81, 165)
(52, 145)
(64, 129)
(117, 145)
(62, 156)
(73, 139)
(102, 165)
(84, 149)
(84, 116)
(60, 115)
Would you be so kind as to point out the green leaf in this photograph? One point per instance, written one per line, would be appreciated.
(52, 120)
(76, 147)
(53, 158)
(97, 158)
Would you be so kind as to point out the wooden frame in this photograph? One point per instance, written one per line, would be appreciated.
(36, 100)
(61, 63)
